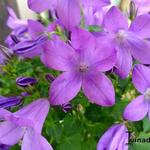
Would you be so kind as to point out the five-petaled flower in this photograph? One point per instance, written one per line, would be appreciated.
(27, 124)
(83, 63)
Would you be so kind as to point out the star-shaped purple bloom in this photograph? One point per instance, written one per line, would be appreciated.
(115, 138)
(27, 124)
(82, 63)
(140, 106)
(130, 41)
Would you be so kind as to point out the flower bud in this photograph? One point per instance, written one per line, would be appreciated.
(6, 102)
(25, 81)
(66, 107)
(50, 77)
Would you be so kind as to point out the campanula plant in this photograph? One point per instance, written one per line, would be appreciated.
(77, 79)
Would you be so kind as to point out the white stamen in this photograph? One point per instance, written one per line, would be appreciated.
(147, 95)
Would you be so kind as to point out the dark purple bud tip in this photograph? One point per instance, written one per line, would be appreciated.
(6, 102)
(25, 94)
(50, 77)
(25, 81)
(4, 147)
(66, 107)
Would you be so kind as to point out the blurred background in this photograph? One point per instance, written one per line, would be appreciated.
(21, 9)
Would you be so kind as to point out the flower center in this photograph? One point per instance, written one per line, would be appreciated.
(147, 95)
(121, 35)
(83, 68)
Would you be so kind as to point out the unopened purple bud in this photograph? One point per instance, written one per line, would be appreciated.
(50, 77)
(66, 107)
(29, 45)
(25, 81)
(15, 39)
(6, 102)
(24, 94)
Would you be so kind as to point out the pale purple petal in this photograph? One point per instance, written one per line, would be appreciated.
(10, 133)
(141, 78)
(59, 55)
(124, 61)
(13, 21)
(34, 141)
(136, 110)
(107, 137)
(140, 48)
(68, 12)
(105, 55)
(31, 112)
(79, 38)
(64, 88)
(95, 3)
(39, 5)
(4, 113)
(99, 89)
(115, 20)
(119, 138)
(141, 26)
(35, 28)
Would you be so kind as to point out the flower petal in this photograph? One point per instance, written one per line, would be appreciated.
(104, 55)
(141, 26)
(114, 20)
(99, 89)
(59, 55)
(140, 78)
(140, 49)
(39, 5)
(124, 61)
(80, 36)
(35, 28)
(118, 137)
(136, 110)
(64, 88)
(68, 12)
(107, 137)
(34, 141)
(10, 133)
(4, 113)
(31, 112)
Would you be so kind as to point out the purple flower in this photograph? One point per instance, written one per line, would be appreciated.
(13, 21)
(27, 124)
(83, 63)
(139, 107)
(129, 41)
(19, 28)
(34, 45)
(115, 138)
(68, 11)
(6, 102)
(25, 81)
(30, 48)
